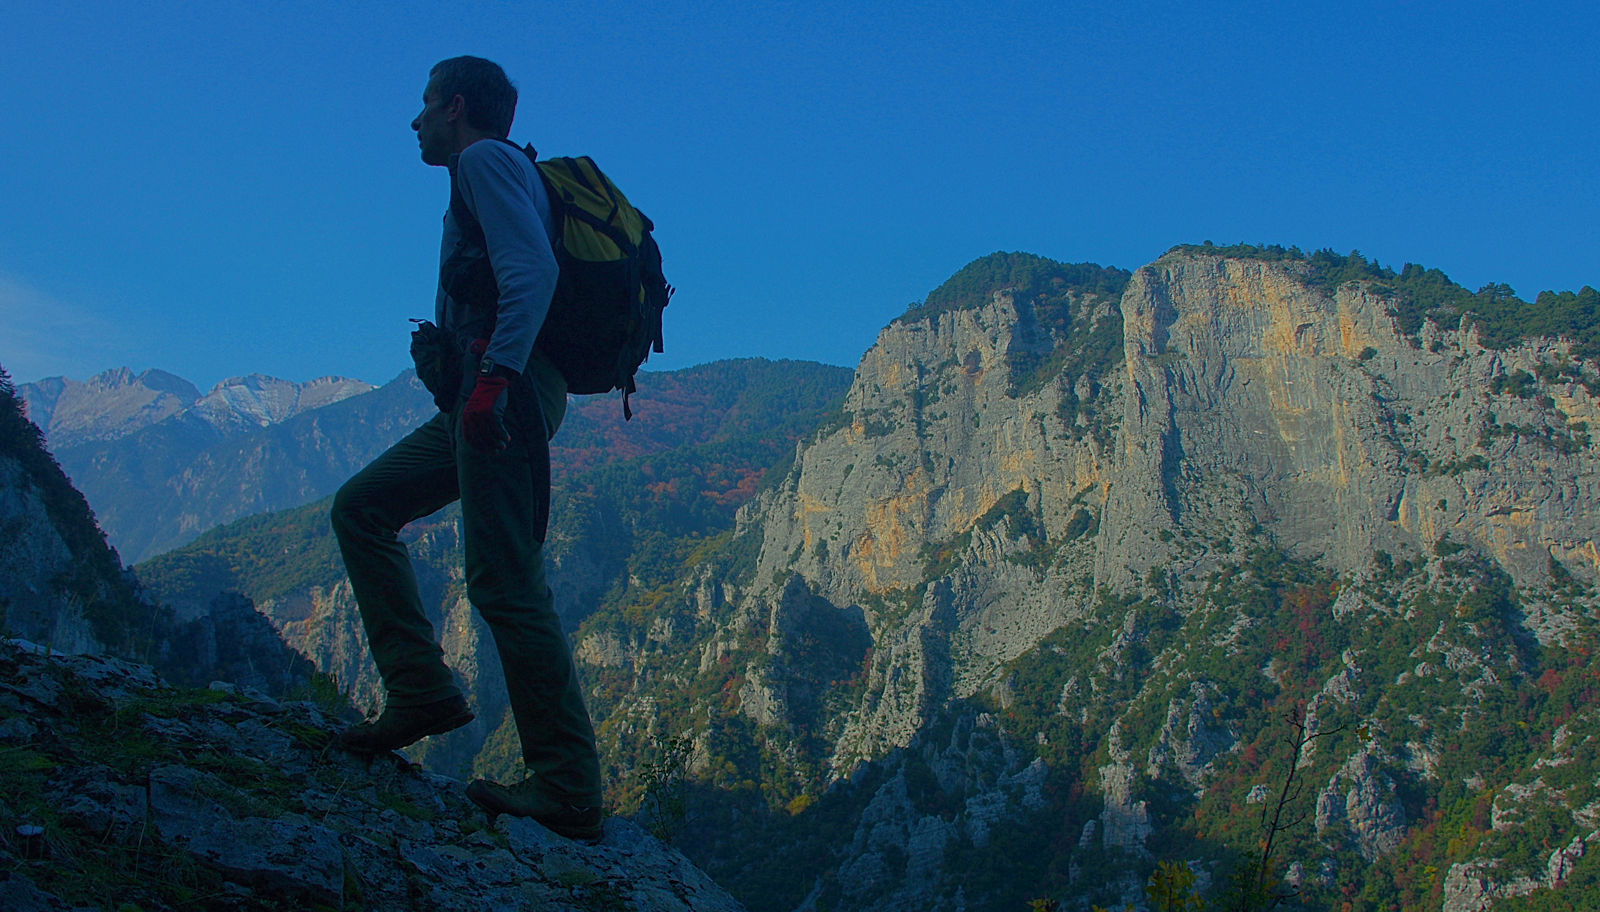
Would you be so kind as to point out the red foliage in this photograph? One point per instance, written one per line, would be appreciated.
(1549, 681)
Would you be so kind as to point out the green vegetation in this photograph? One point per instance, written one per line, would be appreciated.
(264, 556)
(1075, 308)
(1417, 293)
(664, 781)
(1443, 692)
(1032, 277)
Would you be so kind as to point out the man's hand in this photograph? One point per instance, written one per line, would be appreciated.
(482, 417)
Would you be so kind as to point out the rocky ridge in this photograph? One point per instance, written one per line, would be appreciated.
(116, 788)
(251, 445)
(116, 403)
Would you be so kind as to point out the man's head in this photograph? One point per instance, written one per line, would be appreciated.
(467, 98)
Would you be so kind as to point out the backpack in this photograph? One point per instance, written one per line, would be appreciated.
(605, 315)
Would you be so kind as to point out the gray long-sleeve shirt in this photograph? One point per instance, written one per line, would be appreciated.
(502, 188)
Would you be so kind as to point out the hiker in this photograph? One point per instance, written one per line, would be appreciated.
(489, 448)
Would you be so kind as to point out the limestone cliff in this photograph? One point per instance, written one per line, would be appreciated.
(1310, 413)
(1248, 402)
(1007, 504)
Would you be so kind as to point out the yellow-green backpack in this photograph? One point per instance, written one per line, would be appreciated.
(605, 317)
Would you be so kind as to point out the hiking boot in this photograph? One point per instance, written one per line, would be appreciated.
(402, 725)
(524, 799)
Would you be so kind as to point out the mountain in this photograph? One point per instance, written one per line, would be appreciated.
(630, 501)
(1074, 556)
(119, 789)
(116, 403)
(109, 405)
(1087, 571)
(161, 463)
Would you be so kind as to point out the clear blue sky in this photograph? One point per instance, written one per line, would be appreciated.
(220, 188)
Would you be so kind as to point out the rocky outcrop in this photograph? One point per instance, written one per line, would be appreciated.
(1474, 887)
(1360, 799)
(1191, 738)
(35, 557)
(118, 785)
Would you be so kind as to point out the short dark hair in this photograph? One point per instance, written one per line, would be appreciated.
(490, 96)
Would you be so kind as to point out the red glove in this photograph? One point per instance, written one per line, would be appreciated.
(482, 417)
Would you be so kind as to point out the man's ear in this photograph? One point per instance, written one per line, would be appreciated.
(456, 109)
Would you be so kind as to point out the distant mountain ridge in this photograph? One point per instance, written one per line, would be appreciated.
(116, 403)
(631, 501)
(248, 446)
(151, 453)
(158, 475)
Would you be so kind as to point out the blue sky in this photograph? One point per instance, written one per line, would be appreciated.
(222, 188)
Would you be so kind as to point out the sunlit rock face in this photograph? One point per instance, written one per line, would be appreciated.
(1246, 398)
(986, 488)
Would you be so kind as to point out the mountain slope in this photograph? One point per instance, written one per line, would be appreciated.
(123, 792)
(59, 582)
(160, 463)
(630, 500)
(1062, 568)
(991, 596)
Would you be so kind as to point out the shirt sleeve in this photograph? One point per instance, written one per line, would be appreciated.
(501, 189)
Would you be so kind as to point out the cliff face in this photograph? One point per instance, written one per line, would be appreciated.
(1311, 414)
(1002, 527)
(1248, 403)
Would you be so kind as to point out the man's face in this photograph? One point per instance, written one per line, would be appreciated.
(435, 132)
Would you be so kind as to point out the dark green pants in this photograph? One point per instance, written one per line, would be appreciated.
(504, 498)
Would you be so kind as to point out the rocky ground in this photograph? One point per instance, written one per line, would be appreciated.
(118, 791)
